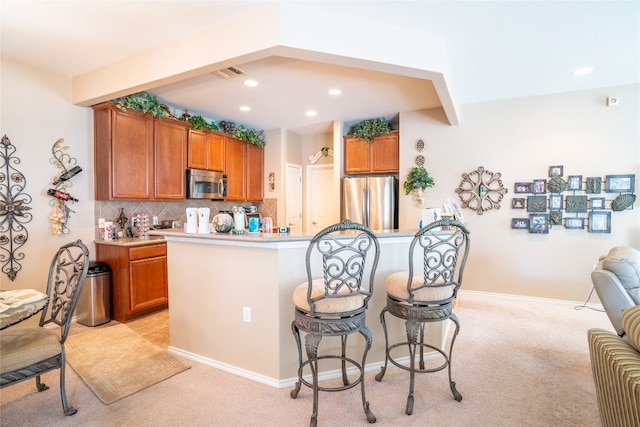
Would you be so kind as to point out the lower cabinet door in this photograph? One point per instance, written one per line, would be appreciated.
(148, 283)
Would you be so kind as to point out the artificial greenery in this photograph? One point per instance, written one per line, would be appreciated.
(199, 122)
(250, 135)
(141, 101)
(418, 179)
(369, 129)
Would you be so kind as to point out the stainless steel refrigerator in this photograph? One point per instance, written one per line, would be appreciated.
(371, 201)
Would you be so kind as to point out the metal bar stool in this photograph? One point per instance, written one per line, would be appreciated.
(420, 296)
(341, 264)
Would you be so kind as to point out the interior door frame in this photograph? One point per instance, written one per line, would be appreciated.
(308, 213)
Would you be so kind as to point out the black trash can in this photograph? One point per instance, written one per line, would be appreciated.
(94, 306)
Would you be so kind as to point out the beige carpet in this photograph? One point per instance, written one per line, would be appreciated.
(116, 362)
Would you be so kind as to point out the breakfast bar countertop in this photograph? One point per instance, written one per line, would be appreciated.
(130, 241)
(262, 237)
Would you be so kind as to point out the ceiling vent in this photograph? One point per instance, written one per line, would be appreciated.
(229, 73)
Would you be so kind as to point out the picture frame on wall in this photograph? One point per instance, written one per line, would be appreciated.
(576, 204)
(574, 223)
(539, 186)
(596, 203)
(555, 218)
(555, 171)
(536, 203)
(520, 223)
(555, 201)
(574, 182)
(593, 185)
(518, 203)
(620, 183)
(539, 223)
(599, 222)
(523, 187)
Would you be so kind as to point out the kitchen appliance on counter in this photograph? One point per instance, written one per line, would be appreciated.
(203, 184)
(371, 201)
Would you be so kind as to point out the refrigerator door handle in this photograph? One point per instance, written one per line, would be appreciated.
(365, 206)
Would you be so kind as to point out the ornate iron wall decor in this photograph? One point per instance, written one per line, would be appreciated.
(481, 190)
(582, 201)
(14, 212)
(61, 197)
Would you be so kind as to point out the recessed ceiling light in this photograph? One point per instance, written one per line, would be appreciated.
(245, 108)
(250, 83)
(311, 113)
(335, 92)
(581, 71)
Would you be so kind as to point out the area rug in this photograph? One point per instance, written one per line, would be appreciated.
(116, 362)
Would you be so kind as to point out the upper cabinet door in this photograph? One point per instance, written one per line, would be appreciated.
(356, 155)
(255, 172)
(235, 167)
(215, 152)
(206, 150)
(197, 158)
(123, 154)
(170, 159)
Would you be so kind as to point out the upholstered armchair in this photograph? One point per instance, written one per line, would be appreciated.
(616, 280)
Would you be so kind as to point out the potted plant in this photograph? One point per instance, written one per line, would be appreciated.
(369, 129)
(141, 101)
(418, 180)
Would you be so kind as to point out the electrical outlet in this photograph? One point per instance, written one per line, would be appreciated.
(100, 222)
(246, 314)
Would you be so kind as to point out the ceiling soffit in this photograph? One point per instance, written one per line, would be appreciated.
(279, 30)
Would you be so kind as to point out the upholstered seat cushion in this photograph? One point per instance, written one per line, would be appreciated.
(624, 262)
(631, 325)
(327, 305)
(20, 347)
(396, 285)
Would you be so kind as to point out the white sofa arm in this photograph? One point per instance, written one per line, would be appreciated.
(613, 296)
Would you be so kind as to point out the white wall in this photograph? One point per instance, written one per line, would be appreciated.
(520, 139)
(36, 111)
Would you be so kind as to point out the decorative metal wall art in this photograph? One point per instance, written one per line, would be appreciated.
(14, 212)
(481, 190)
(547, 204)
(323, 152)
(61, 197)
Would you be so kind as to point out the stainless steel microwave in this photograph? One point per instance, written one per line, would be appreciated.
(202, 184)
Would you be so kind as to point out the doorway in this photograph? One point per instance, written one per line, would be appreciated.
(321, 198)
(293, 209)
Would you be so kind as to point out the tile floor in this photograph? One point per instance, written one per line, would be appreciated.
(154, 327)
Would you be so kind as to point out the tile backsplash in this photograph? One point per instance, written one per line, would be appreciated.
(173, 211)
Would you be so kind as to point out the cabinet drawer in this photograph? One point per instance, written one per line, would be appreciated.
(147, 251)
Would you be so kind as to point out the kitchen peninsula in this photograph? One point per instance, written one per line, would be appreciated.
(231, 301)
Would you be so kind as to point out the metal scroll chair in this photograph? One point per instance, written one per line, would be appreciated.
(31, 351)
(341, 264)
(424, 294)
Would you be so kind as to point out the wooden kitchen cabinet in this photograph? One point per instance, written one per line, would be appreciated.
(382, 155)
(170, 158)
(138, 157)
(139, 280)
(255, 172)
(206, 150)
(245, 171)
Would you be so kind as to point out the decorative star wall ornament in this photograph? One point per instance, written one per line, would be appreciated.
(14, 210)
(481, 190)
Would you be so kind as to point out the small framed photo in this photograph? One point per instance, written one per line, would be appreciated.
(555, 171)
(575, 183)
(593, 185)
(596, 203)
(620, 183)
(539, 223)
(599, 222)
(539, 186)
(536, 203)
(574, 223)
(576, 204)
(555, 218)
(518, 203)
(555, 202)
(520, 223)
(430, 215)
(523, 187)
